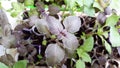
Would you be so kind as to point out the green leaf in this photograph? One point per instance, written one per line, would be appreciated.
(70, 3)
(28, 2)
(106, 44)
(105, 34)
(89, 11)
(31, 6)
(44, 42)
(112, 20)
(88, 3)
(99, 31)
(20, 64)
(17, 6)
(53, 36)
(115, 4)
(97, 5)
(108, 47)
(39, 56)
(88, 44)
(80, 2)
(2, 65)
(80, 64)
(15, 13)
(114, 37)
(85, 57)
(79, 52)
(32, 12)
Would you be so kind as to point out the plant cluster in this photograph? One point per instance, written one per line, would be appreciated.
(45, 35)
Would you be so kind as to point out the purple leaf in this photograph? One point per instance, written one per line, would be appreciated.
(42, 26)
(8, 41)
(70, 43)
(6, 27)
(3, 18)
(72, 24)
(33, 20)
(54, 25)
(53, 10)
(54, 54)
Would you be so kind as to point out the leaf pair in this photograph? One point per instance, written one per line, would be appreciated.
(86, 47)
(70, 43)
(72, 24)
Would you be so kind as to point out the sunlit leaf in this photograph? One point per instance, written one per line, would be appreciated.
(80, 64)
(3, 65)
(97, 5)
(112, 20)
(31, 7)
(106, 34)
(114, 37)
(54, 54)
(28, 2)
(70, 3)
(114, 4)
(89, 11)
(80, 51)
(88, 3)
(15, 13)
(88, 44)
(33, 11)
(17, 8)
(20, 64)
(85, 57)
(72, 24)
(80, 2)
